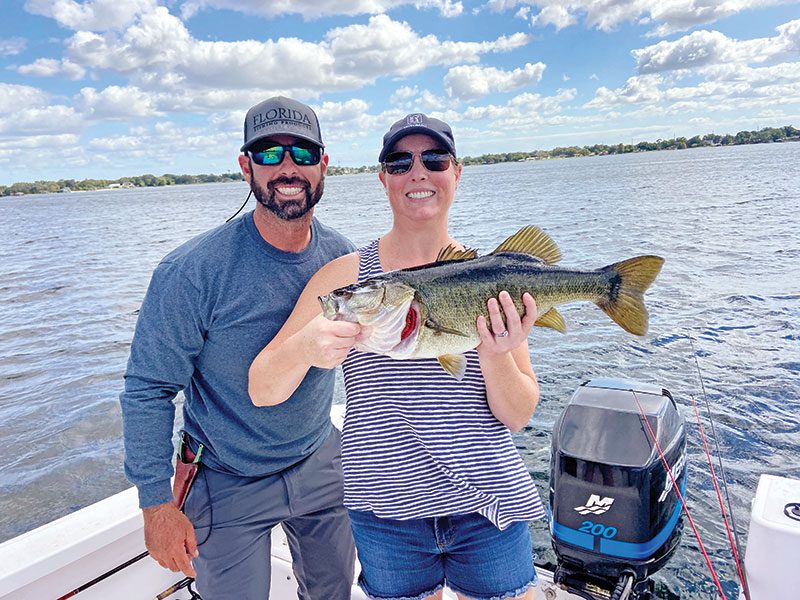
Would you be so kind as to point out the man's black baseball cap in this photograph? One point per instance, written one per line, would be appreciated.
(281, 116)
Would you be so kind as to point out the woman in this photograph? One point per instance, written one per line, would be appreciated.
(436, 490)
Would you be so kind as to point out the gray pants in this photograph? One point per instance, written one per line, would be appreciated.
(233, 517)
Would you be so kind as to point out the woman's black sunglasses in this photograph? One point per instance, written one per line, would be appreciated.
(272, 153)
(398, 163)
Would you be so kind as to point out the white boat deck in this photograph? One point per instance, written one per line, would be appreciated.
(56, 559)
(59, 557)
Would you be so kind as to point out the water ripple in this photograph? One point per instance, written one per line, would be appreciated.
(726, 301)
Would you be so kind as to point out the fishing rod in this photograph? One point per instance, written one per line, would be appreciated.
(184, 583)
(731, 529)
(680, 496)
(104, 576)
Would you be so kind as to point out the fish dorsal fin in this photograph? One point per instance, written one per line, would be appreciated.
(534, 242)
(453, 253)
(455, 364)
(552, 319)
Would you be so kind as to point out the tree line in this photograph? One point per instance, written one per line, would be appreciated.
(72, 185)
(762, 136)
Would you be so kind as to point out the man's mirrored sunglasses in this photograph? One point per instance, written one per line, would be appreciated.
(272, 153)
(398, 163)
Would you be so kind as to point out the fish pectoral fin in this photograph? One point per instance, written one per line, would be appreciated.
(552, 319)
(453, 253)
(455, 364)
(534, 242)
(436, 328)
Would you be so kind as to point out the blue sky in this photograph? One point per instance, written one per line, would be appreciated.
(108, 88)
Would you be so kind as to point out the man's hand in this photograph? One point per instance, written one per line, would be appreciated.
(170, 539)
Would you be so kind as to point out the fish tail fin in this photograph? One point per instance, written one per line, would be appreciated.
(629, 281)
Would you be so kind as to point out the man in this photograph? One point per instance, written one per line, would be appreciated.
(212, 305)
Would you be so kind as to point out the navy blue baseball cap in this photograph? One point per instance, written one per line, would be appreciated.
(281, 116)
(418, 123)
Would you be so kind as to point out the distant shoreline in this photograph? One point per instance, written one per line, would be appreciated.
(767, 135)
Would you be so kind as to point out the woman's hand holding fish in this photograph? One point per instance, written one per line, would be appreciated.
(504, 337)
(511, 387)
(325, 343)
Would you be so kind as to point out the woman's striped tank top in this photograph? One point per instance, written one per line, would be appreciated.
(418, 443)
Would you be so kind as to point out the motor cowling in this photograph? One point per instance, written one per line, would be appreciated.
(615, 511)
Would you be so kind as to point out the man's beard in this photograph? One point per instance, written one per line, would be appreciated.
(288, 210)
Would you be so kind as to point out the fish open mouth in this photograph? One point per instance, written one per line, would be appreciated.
(391, 331)
(408, 336)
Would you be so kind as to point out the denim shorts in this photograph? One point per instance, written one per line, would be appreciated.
(409, 560)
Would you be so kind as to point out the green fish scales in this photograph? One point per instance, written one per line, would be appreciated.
(431, 310)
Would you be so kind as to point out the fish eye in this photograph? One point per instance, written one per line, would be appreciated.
(368, 297)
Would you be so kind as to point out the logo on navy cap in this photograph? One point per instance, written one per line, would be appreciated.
(414, 119)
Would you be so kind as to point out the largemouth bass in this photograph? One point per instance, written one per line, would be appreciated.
(431, 311)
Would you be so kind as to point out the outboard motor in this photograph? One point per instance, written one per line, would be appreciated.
(616, 517)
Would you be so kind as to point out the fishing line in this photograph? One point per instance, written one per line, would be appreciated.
(719, 499)
(680, 496)
(229, 219)
(734, 538)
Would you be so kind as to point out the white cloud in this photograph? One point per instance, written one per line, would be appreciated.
(680, 15)
(522, 110)
(730, 74)
(556, 15)
(724, 89)
(159, 53)
(115, 102)
(50, 120)
(31, 142)
(638, 89)
(472, 82)
(431, 104)
(313, 9)
(346, 120)
(96, 15)
(11, 148)
(13, 96)
(161, 69)
(51, 67)
(342, 112)
(606, 15)
(120, 143)
(156, 144)
(157, 38)
(451, 9)
(12, 46)
(387, 47)
(403, 94)
(703, 48)
(695, 50)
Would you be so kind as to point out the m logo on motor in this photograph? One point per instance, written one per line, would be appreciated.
(595, 505)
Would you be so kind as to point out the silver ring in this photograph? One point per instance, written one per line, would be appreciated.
(502, 334)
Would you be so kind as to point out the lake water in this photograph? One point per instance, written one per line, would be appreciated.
(74, 269)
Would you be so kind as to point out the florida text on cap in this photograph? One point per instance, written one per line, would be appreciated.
(281, 116)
